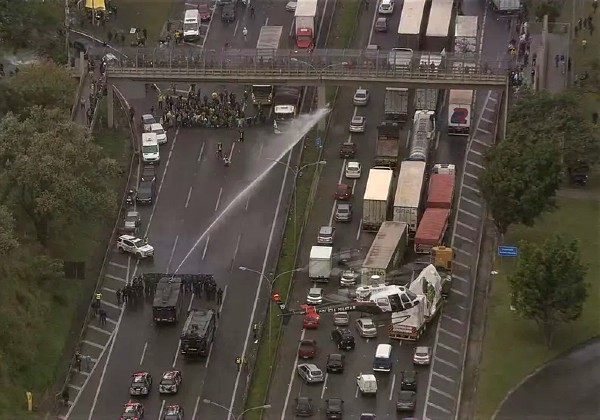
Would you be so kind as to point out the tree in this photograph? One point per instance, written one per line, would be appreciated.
(8, 239)
(520, 181)
(560, 118)
(53, 172)
(552, 8)
(26, 24)
(46, 85)
(549, 285)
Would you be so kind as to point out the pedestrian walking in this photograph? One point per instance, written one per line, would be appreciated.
(252, 15)
(219, 297)
(532, 76)
(245, 33)
(78, 361)
(119, 294)
(241, 136)
(64, 395)
(102, 314)
(87, 362)
(591, 29)
(583, 44)
(595, 5)
(556, 60)
(238, 362)
(82, 103)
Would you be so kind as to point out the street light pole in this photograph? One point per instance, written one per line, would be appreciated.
(231, 415)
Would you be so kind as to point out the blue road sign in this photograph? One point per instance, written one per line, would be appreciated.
(508, 251)
(318, 141)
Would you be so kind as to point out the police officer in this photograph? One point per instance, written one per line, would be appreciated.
(220, 149)
(98, 299)
(238, 362)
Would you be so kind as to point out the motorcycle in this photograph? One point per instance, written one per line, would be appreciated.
(130, 199)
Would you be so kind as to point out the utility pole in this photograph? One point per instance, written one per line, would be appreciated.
(67, 31)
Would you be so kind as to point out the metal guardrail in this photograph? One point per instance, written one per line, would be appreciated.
(411, 68)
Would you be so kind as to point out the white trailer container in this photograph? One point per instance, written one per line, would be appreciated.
(268, 42)
(305, 23)
(320, 263)
(506, 7)
(412, 23)
(426, 99)
(377, 197)
(438, 28)
(407, 202)
(460, 106)
(465, 34)
(386, 251)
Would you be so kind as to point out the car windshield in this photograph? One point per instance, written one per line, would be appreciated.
(315, 372)
(138, 242)
(190, 27)
(360, 95)
(158, 131)
(314, 294)
(167, 381)
(342, 210)
(148, 119)
(150, 149)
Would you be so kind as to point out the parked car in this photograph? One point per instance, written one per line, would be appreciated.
(361, 97)
(335, 363)
(343, 212)
(131, 222)
(341, 319)
(343, 192)
(358, 124)
(304, 407)
(422, 355)
(343, 339)
(407, 401)
(307, 349)
(310, 373)
(366, 327)
(326, 235)
(408, 381)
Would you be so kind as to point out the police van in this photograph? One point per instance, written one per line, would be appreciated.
(191, 25)
(150, 149)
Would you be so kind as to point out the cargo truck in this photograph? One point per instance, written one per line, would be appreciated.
(320, 263)
(438, 32)
(387, 148)
(386, 252)
(400, 59)
(507, 7)
(410, 323)
(441, 187)
(377, 198)
(412, 24)
(465, 34)
(286, 105)
(305, 18)
(407, 201)
(266, 49)
(426, 99)
(460, 105)
(431, 230)
(396, 104)
(423, 133)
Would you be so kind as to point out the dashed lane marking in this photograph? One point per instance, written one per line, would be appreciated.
(458, 321)
(461, 265)
(110, 276)
(466, 226)
(464, 280)
(464, 239)
(114, 264)
(112, 321)
(78, 388)
(445, 362)
(486, 120)
(93, 327)
(445, 394)
(458, 292)
(91, 343)
(480, 142)
(110, 305)
(448, 348)
(476, 190)
(477, 165)
(462, 251)
(473, 215)
(468, 200)
(439, 375)
(109, 290)
(451, 334)
(437, 407)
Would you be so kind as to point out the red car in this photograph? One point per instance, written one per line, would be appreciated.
(310, 322)
(307, 349)
(133, 411)
(343, 192)
(204, 11)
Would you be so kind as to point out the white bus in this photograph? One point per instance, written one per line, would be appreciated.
(438, 27)
(412, 24)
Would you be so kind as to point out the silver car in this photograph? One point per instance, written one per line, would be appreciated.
(326, 235)
(315, 296)
(310, 373)
(366, 327)
(291, 6)
(348, 278)
(341, 319)
(358, 124)
(343, 212)
(361, 97)
(422, 356)
(147, 121)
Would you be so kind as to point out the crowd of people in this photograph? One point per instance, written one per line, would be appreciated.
(195, 109)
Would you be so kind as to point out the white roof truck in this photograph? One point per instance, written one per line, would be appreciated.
(410, 323)
(438, 34)
(266, 50)
(320, 263)
(407, 202)
(400, 59)
(377, 198)
(412, 24)
(305, 18)
(426, 100)
(286, 106)
(507, 7)
(396, 104)
(386, 251)
(460, 106)
(465, 34)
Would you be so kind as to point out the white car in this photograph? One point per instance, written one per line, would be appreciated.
(147, 121)
(366, 327)
(361, 97)
(161, 136)
(358, 124)
(386, 7)
(348, 278)
(353, 170)
(422, 355)
(315, 296)
(135, 246)
(291, 6)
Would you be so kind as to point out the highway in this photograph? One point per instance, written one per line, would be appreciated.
(286, 385)
(194, 187)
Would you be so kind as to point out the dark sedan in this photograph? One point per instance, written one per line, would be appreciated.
(407, 400)
(304, 407)
(335, 363)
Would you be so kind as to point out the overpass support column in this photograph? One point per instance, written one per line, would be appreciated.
(110, 103)
(322, 103)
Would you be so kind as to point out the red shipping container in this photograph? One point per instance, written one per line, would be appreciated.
(431, 230)
(441, 191)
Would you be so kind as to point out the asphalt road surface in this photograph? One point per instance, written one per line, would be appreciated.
(573, 396)
(286, 385)
(194, 188)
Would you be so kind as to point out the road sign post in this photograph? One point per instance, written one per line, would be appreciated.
(508, 251)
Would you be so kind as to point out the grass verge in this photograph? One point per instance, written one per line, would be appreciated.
(345, 20)
(513, 347)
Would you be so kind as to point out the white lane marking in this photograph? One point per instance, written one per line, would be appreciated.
(143, 353)
(196, 408)
(213, 343)
(291, 381)
(445, 394)
(437, 407)
(437, 140)
(162, 407)
(260, 282)
(450, 349)
(260, 151)
(458, 321)
(237, 24)
(237, 246)
(112, 321)
(190, 304)
(114, 264)
(443, 377)
(232, 149)
(359, 229)
(110, 305)
(392, 387)
(187, 200)
(176, 354)
(219, 199)
(110, 276)
(108, 289)
(445, 362)
(75, 387)
(205, 246)
(266, 22)
(324, 385)
(200, 154)
(93, 327)
(172, 253)
(356, 393)
(247, 203)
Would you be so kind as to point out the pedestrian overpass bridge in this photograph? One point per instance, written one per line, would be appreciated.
(404, 68)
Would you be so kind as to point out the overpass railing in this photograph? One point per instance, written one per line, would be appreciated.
(319, 64)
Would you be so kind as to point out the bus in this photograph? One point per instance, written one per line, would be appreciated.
(412, 22)
(438, 32)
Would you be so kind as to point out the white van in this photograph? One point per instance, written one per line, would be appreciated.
(383, 358)
(150, 149)
(191, 25)
(158, 129)
(367, 384)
